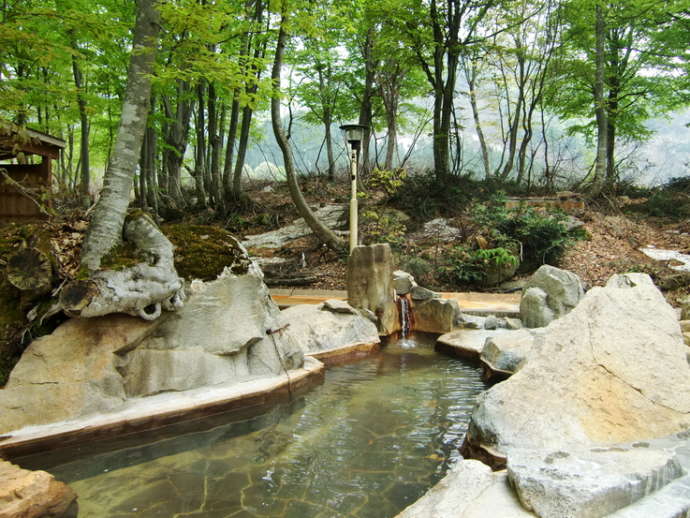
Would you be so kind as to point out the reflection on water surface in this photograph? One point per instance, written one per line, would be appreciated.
(367, 443)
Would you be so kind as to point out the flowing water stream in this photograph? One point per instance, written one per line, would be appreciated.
(367, 443)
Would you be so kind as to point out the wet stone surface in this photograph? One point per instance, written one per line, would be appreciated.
(367, 443)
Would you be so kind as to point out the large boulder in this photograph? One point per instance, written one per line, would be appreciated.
(549, 294)
(576, 420)
(614, 369)
(327, 326)
(34, 494)
(227, 332)
(435, 315)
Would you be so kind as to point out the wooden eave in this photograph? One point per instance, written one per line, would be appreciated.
(14, 141)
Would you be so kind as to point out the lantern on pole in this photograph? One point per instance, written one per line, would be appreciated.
(354, 134)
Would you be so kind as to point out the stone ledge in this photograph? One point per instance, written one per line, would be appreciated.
(340, 355)
(163, 409)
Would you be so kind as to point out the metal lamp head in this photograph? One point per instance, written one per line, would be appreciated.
(354, 133)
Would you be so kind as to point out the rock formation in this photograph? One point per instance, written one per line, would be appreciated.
(582, 423)
(34, 494)
(228, 331)
(549, 294)
(331, 325)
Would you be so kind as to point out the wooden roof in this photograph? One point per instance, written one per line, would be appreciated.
(15, 140)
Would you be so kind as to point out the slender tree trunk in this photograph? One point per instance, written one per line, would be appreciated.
(85, 174)
(611, 120)
(230, 147)
(600, 103)
(215, 145)
(241, 152)
(201, 176)
(471, 76)
(366, 107)
(322, 232)
(328, 122)
(105, 229)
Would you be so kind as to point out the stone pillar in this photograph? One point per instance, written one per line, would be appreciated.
(370, 285)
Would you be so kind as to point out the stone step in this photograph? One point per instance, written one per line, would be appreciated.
(671, 501)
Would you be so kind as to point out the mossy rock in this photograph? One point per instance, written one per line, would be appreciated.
(203, 251)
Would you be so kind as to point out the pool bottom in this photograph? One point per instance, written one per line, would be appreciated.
(367, 443)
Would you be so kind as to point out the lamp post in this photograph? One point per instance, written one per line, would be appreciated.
(354, 134)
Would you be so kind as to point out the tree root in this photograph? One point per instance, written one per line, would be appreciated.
(143, 290)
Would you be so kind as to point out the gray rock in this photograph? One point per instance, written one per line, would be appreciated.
(338, 306)
(403, 282)
(612, 370)
(435, 315)
(560, 292)
(513, 323)
(202, 344)
(467, 343)
(317, 330)
(370, 285)
(491, 322)
(534, 309)
(469, 490)
(331, 215)
(441, 230)
(506, 352)
(421, 293)
(95, 365)
(589, 483)
(469, 321)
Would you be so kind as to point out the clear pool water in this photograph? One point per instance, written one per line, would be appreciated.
(367, 443)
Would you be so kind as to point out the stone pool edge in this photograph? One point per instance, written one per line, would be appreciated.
(165, 409)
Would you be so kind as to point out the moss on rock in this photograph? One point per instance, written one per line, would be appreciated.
(203, 251)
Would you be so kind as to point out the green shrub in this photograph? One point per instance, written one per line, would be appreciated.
(542, 236)
(383, 227)
(474, 267)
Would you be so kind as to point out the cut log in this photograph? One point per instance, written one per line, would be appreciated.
(30, 269)
(143, 290)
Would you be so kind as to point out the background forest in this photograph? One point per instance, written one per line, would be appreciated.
(542, 93)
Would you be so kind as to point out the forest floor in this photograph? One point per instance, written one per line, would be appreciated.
(614, 233)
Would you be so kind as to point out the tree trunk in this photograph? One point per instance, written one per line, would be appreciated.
(201, 177)
(215, 145)
(241, 152)
(600, 103)
(105, 229)
(323, 233)
(85, 174)
(471, 76)
(230, 147)
(176, 135)
(366, 109)
(328, 122)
